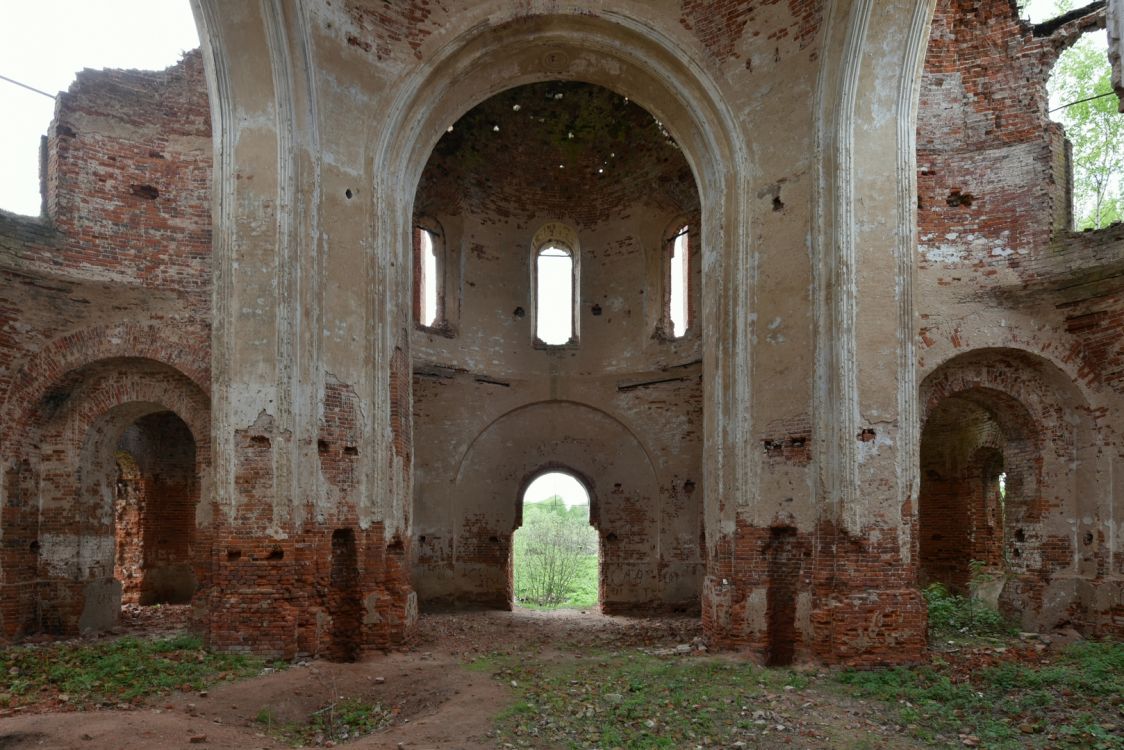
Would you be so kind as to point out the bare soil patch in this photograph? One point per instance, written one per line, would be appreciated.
(462, 670)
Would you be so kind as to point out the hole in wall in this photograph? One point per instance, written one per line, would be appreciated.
(147, 192)
(348, 194)
(956, 199)
(351, 450)
(233, 554)
(34, 546)
(321, 446)
(276, 554)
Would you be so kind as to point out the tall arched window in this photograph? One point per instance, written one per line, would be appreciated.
(678, 299)
(555, 273)
(554, 294)
(429, 292)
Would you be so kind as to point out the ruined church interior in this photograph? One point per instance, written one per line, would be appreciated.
(793, 289)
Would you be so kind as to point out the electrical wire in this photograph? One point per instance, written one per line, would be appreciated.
(1082, 101)
(25, 86)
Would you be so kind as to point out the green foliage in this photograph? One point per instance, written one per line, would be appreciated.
(1095, 128)
(952, 615)
(120, 671)
(556, 556)
(635, 701)
(1011, 705)
(610, 699)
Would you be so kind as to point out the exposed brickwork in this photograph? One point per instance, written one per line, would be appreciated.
(134, 149)
(381, 28)
(857, 596)
(338, 443)
(560, 150)
(157, 495)
(1000, 267)
(105, 365)
(720, 25)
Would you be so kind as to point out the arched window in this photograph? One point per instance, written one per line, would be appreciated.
(429, 289)
(556, 552)
(554, 294)
(678, 279)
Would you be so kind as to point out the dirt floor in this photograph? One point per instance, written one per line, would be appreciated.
(437, 701)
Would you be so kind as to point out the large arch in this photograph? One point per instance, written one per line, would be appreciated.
(290, 323)
(1017, 408)
(64, 492)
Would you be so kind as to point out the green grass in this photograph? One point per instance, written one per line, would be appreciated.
(955, 617)
(115, 672)
(583, 593)
(633, 701)
(555, 538)
(1073, 702)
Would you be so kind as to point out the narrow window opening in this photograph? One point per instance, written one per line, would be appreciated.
(554, 312)
(428, 283)
(556, 550)
(678, 312)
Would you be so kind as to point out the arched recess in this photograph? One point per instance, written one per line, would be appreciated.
(653, 69)
(161, 419)
(580, 485)
(51, 368)
(980, 476)
(464, 526)
(993, 411)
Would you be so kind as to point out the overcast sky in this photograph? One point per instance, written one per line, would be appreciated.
(44, 43)
(556, 483)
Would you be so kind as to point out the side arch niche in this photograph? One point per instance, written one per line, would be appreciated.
(1008, 493)
(120, 464)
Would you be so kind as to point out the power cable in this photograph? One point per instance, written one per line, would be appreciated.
(25, 86)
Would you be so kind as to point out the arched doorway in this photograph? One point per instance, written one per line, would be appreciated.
(1008, 468)
(978, 482)
(156, 493)
(555, 549)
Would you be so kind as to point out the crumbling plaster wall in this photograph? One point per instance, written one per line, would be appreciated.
(622, 406)
(325, 117)
(112, 282)
(1010, 298)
